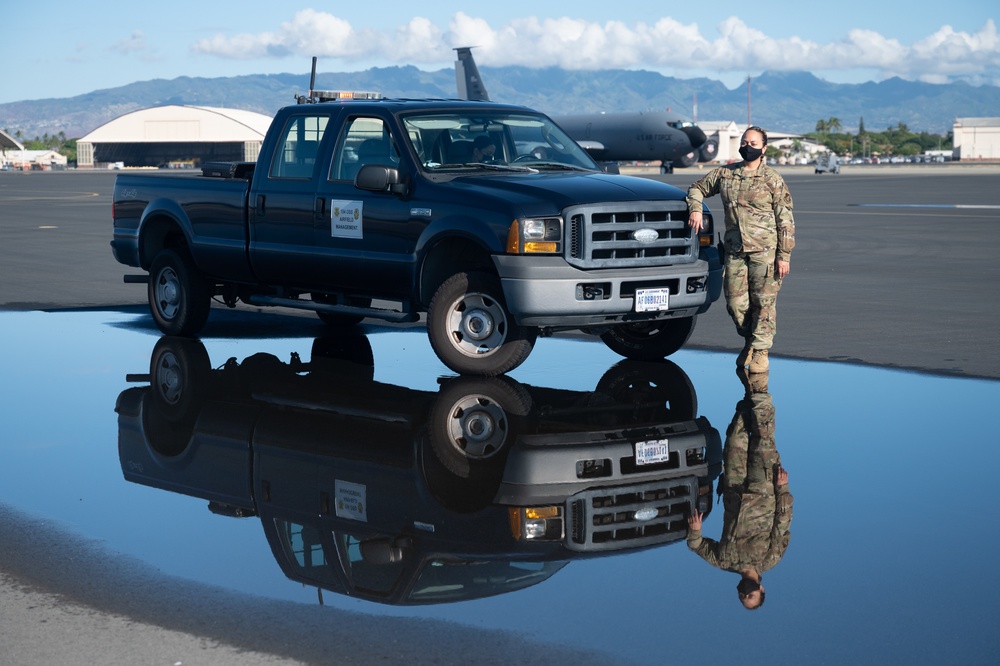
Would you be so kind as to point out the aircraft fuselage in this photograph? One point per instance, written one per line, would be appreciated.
(640, 136)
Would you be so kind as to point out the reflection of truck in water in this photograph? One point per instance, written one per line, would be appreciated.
(827, 162)
(404, 496)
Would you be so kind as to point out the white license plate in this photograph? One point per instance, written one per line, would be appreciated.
(652, 452)
(651, 300)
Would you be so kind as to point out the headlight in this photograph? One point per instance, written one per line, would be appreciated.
(535, 236)
(540, 523)
(707, 230)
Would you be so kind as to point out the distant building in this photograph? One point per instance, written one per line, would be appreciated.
(174, 135)
(976, 139)
(42, 159)
(726, 137)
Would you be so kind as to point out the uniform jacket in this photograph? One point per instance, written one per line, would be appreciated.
(758, 208)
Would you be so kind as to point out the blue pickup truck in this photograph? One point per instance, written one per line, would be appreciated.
(486, 218)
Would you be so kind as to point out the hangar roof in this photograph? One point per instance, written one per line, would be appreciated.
(7, 141)
(177, 123)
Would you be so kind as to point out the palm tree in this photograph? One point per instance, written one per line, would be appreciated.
(821, 126)
(833, 124)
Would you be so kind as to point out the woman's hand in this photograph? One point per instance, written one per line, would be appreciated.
(783, 268)
(694, 220)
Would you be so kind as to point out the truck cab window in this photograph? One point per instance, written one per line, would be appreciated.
(295, 156)
(365, 141)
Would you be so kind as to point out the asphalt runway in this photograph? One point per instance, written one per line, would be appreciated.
(894, 265)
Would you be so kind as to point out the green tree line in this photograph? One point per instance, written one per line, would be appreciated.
(896, 140)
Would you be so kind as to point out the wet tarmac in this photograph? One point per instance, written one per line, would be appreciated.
(259, 463)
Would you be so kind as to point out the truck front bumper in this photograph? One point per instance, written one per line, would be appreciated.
(547, 291)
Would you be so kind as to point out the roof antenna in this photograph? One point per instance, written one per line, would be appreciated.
(310, 98)
(312, 79)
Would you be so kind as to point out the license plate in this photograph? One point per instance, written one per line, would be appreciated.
(651, 300)
(652, 452)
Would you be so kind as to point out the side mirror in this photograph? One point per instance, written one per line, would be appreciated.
(379, 178)
(610, 167)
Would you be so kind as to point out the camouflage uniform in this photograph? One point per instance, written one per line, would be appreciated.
(759, 230)
(757, 515)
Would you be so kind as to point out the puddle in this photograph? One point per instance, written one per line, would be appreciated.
(283, 468)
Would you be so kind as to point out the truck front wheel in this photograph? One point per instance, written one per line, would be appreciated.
(471, 330)
(649, 340)
(179, 297)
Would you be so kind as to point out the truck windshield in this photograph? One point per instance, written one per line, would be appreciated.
(492, 141)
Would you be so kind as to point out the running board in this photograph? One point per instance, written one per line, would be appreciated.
(299, 304)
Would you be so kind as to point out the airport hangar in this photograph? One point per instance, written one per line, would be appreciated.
(174, 135)
(180, 135)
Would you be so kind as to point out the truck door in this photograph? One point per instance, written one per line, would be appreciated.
(282, 202)
(365, 240)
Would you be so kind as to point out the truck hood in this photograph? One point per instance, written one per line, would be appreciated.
(546, 193)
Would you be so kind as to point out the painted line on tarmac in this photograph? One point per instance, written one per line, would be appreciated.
(897, 205)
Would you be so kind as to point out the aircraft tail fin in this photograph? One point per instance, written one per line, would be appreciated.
(470, 84)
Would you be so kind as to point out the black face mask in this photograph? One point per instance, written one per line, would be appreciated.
(749, 153)
(747, 586)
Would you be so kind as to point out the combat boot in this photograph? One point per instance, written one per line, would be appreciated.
(757, 383)
(744, 356)
(759, 361)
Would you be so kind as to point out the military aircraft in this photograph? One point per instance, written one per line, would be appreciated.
(613, 137)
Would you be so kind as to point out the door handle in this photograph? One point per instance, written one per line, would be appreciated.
(261, 199)
(320, 207)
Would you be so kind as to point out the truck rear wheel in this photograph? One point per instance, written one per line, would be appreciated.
(179, 297)
(649, 340)
(471, 330)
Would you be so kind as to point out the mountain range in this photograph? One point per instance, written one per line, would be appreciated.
(778, 101)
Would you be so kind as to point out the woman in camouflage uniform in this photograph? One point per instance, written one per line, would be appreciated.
(760, 235)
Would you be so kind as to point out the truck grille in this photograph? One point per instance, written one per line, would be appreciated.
(605, 236)
(608, 518)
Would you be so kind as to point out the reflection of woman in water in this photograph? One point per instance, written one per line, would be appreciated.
(755, 497)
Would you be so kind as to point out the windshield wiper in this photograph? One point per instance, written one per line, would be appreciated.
(559, 165)
(493, 166)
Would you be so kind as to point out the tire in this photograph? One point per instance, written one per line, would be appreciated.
(179, 297)
(472, 331)
(649, 340)
(178, 372)
(473, 419)
(652, 391)
(179, 369)
(341, 319)
(344, 355)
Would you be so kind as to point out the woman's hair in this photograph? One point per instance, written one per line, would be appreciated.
(760, 130)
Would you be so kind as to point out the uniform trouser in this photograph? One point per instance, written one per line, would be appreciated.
(751, 290)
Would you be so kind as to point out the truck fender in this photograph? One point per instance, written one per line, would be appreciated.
(163, 224)
(453, 245)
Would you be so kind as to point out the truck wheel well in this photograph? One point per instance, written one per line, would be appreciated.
(159, 233)
(448, 257)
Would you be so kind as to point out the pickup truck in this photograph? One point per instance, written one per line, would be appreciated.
(406, 496)
(384, 208)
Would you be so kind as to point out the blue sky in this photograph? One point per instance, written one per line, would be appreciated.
(62, 48)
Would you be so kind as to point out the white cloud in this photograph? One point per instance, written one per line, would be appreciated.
(571, 43)
(134, 43)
